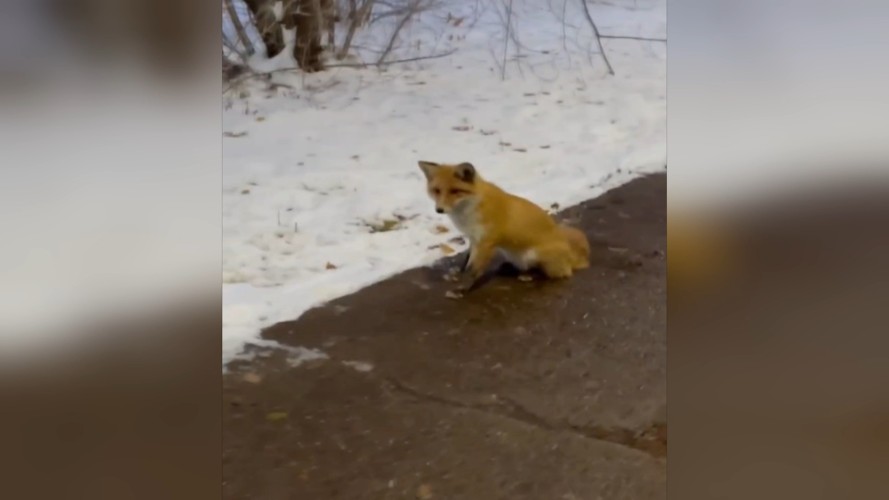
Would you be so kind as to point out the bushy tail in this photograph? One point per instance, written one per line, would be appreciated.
(580, 246)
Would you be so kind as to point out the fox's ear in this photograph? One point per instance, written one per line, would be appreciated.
(428, 168)
(466, 172)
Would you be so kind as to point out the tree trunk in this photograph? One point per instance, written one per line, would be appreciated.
(268, 25)
(302, 15)
(331, 16)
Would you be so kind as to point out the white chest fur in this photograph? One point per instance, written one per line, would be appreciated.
(465, 217)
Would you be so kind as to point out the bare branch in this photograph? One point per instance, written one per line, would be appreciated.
(564, 29)
(589, 18)
(413, 8)
(355, 21)
(626, 37)
(390, 13)
(506, 39)
(397, 61)
(243, 60)
(344, 65)
(239, 28)
(398, 28)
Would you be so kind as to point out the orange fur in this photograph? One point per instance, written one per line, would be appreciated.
(494, 220)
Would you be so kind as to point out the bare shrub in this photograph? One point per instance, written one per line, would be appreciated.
(359, 14)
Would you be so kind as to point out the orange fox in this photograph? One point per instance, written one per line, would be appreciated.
(494, 220)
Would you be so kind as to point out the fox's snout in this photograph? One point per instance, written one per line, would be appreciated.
(439, 210)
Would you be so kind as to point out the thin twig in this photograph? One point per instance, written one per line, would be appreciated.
(564, 30)
(239, 28)
(506, 39)
(589, 18)
(390, 13)
(386, 63)
(344, 65)
(514, 35)
(244, 64)
(354, 24)
(412, 9)
(641, 38)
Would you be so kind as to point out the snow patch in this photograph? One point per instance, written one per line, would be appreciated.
(322, 194)
(360, 366)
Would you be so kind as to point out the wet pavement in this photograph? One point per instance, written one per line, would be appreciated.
(522, 390)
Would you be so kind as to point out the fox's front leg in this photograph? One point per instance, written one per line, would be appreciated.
(479, 260)
(465, 264)
(454, 273)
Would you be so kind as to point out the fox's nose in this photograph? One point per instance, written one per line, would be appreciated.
(439, 210)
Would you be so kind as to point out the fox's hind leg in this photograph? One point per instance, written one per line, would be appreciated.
(557, 269)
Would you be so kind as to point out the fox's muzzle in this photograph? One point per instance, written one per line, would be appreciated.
(439, 210)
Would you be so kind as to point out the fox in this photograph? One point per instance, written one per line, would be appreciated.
(494, 220)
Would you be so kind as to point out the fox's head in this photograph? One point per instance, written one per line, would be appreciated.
(449, 185)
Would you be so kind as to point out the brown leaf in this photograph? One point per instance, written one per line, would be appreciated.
(487, 132)
(461, 128)
(384, 225)
(329, 266)
(276, 416)
(520, 150)
(260, 118)
(545, 146)
(446, 249)
(245, 191)
(234, 134)
(502, 143)
(253, 378)
(459, 240)
(441, 229)
(424, 492)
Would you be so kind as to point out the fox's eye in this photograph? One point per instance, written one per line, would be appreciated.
(436, 191)
(456, 191)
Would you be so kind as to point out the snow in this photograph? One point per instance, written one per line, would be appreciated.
(311, 170)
